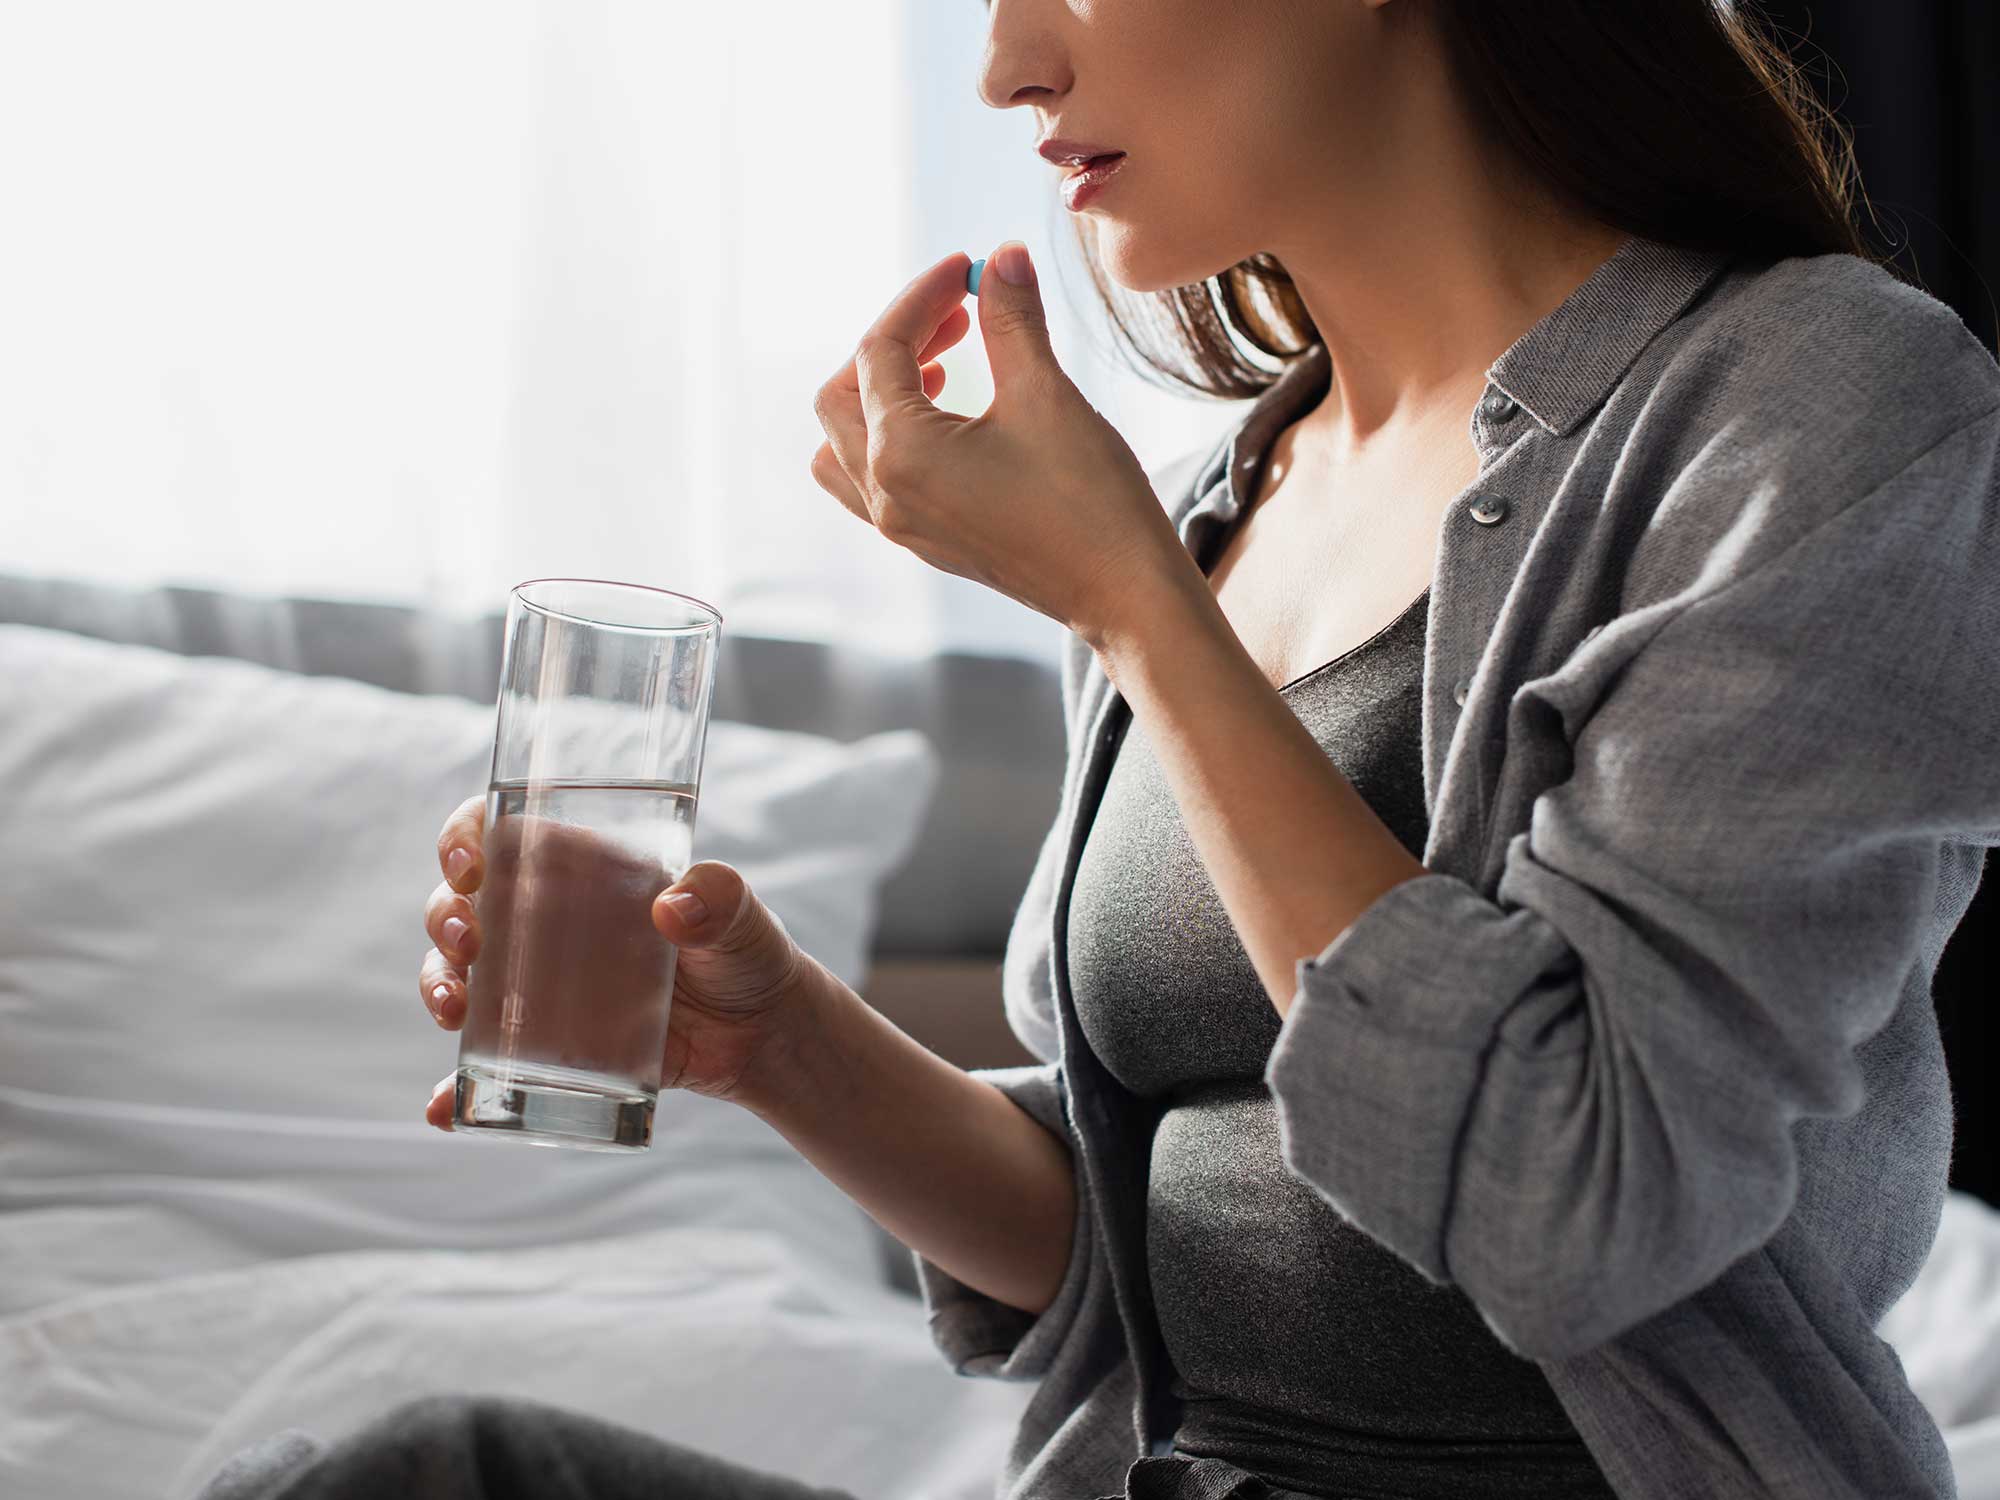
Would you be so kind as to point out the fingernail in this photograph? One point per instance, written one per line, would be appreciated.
(689, 907)
(454, 932)
(972, 276)
(439, 994)
(1012, 261)
(456, 864)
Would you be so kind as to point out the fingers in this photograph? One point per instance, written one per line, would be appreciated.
(730, 915)
(460, 846)
(442, 987)
(835, 480)
(438, 1111)
(448, 915)
(838, 407)
(449, 920)
(1015, 328)
(887, 360)
(831, 477)
(957, 323)
(838, 403)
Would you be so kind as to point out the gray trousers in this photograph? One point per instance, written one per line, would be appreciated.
(491, 1448)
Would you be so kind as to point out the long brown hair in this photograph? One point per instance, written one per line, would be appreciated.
(1683, 121)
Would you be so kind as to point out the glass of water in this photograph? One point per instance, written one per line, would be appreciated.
(603, 714)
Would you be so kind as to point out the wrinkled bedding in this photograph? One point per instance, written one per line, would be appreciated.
(745, 1341)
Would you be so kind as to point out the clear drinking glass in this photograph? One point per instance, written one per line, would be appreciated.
(603, 715)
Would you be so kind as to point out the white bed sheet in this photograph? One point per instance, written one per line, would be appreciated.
(248, 1273)
(756, 1328)
(742, 1342)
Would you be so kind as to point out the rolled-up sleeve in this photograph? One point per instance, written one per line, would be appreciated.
(1575, 1099)
(978, 1334)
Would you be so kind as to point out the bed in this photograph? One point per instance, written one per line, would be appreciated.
(220, 1214)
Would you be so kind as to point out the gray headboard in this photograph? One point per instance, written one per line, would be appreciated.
(996, 721)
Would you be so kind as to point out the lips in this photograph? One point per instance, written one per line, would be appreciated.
(1075, 154)
(1087, 181)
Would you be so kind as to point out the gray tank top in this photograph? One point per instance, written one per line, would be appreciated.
(1303, 1351)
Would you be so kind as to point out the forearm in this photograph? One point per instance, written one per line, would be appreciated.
(942, 1160)
(1294, 852)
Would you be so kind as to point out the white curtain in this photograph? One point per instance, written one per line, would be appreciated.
(411, 301)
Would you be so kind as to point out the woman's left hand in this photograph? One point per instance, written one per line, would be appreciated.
(1038, 497)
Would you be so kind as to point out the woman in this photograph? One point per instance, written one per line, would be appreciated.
(1519, 787)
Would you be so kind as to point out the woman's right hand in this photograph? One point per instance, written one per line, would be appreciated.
(738, 981)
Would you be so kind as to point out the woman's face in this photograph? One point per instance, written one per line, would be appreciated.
(1244, 122)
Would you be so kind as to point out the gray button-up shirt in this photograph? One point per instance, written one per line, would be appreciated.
(1645, 1062)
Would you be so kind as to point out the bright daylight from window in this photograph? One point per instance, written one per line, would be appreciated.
(409, 302)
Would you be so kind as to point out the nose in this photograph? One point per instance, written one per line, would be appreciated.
(1026, 61)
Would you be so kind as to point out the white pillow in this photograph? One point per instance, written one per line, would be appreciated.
(212, 878)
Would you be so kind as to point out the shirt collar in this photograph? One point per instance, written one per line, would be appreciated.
(1223, 488)
(1558, 372)
(1561, 370)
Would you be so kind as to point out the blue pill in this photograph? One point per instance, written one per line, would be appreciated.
(972, 276)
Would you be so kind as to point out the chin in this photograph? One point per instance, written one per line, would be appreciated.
(1141, 262)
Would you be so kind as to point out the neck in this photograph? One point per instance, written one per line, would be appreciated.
(1414, 297)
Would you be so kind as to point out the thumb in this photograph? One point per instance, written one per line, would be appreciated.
(712, 906)
(1012, 322)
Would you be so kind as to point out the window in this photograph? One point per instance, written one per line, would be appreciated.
(410, 301)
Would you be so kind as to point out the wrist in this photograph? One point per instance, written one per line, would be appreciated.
(1160, 603)
(779, 1079)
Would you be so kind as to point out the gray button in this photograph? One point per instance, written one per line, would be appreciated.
(1499, 407)
(1459, 689)
(1489, 510)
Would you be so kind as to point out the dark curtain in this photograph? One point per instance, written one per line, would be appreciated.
(1918, 83)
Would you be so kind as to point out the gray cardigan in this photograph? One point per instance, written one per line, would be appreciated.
(1646, 1061)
